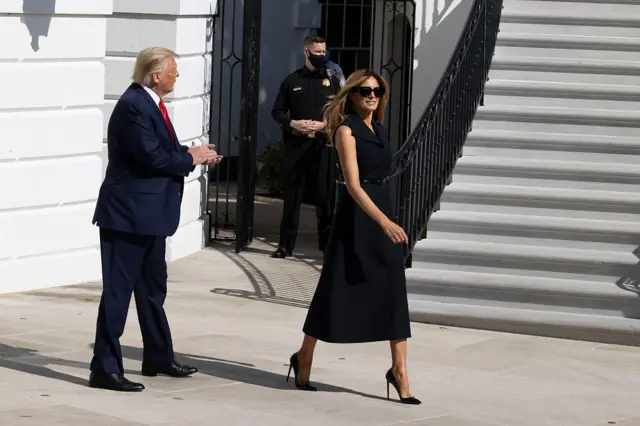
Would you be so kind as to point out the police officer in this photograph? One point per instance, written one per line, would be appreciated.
(333, 68)
(308, 161)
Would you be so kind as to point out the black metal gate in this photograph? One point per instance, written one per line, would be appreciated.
(376, 34)
(233, 127)
(392, 56)
(247, 169)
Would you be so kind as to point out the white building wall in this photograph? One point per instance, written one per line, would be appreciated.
(438, 24)
(185, 27)
(50, 140)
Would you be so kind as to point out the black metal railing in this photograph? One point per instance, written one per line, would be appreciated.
(424, 163)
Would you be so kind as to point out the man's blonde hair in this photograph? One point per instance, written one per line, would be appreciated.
(150, 61)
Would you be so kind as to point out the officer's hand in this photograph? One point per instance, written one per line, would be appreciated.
(316, 126)
(301, 125)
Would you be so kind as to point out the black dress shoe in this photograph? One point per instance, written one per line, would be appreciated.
(173, 369)
(280, 254)
(113, 381)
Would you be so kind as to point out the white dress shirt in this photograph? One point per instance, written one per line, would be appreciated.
(153, 95)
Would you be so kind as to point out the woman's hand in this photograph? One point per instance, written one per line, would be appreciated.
(394, 232)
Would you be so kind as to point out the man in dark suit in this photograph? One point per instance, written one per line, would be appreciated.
(138, 207)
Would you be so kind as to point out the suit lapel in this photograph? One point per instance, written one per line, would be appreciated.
(363, 132)
(382, 133)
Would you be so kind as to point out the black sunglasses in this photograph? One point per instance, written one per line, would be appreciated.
(365, 91)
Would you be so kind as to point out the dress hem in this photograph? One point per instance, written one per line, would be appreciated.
(354, 341)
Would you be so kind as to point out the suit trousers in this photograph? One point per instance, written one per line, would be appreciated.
(308, 164)
(136, 264)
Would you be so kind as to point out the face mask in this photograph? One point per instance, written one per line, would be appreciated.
(317, 61)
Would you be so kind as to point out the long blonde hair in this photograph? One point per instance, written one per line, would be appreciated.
(340, 106)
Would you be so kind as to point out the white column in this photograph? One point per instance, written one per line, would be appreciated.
(185, 27)
(50, 140)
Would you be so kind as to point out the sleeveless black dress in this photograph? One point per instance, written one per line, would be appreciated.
(361, 295)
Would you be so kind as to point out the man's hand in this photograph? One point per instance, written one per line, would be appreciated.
(204, 154)
(301, 125)
(316, 126)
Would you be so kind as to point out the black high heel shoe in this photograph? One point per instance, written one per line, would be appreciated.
(294, 364)
(391, 380)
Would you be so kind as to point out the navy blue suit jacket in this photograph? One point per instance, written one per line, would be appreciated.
(142, 189)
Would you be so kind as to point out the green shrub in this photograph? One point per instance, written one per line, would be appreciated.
(270, 169)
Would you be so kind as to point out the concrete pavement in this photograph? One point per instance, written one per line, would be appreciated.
(238, 318)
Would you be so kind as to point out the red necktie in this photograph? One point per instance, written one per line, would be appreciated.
(165, 114)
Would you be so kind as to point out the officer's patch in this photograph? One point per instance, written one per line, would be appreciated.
(295, 89)
(326, 82)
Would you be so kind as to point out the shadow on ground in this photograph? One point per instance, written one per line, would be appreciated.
(292, 285)
(242, 372)
(30, 361)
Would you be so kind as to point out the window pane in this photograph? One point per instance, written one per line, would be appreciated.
(366, 27)
(334, 24)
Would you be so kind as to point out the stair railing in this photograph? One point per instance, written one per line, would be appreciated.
(424, 163)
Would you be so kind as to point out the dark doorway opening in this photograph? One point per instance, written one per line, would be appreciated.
(376, 34)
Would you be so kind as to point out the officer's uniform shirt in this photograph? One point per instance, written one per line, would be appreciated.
(303, 95)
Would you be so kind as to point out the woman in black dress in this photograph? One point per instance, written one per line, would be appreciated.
(361, 295)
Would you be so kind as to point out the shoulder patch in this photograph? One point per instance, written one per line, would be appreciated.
(297, 88)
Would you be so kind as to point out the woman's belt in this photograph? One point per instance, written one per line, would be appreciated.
(367, 181)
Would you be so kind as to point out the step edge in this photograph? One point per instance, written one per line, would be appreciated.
(512, 220)
(466, 248)
(561, 112)
(565, 191)
(551, 166)
(495, 282)
(529, 88)
(499, 61)
(563, 39)
(569, 19)
(565, 138)
(600, 328)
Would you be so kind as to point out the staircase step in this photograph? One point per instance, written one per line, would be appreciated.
(561, 94)
(521, 225)
(519, 45)
(623, 161)
(543, 74)
(558, 115)
(528, 253)
(560, 18)
(536, 23)
(543, 197)
(534, 124)
(589, 3)
(595, 8)
(625, 252)
(562, 41)
(599, 328)
(559, 100)
(548, 169)
(539, 231)
(554, 142)
(524, 289)
(550, 214)
(566, 65)
(618, 189)
(608, 92)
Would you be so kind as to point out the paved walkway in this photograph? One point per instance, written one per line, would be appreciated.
(238, 318)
